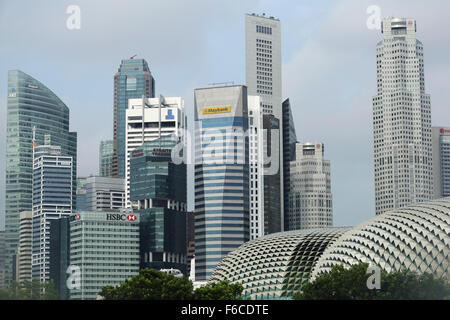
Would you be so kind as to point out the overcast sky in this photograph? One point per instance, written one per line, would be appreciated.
(328, 68)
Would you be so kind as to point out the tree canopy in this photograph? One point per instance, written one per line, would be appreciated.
(351, 284)
(30, 290)
(151, 284)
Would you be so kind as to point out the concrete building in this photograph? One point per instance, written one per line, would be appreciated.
(37, 107)
(105, 156)
(133, 80)
(401, 119)
(310, 198)
(104, 194)
(105, 246)
(52, 199)
(158, 192)
(2, 259)
(263, 75)
(221, 175)
(150, 119)
(441, 161)
(23, 257)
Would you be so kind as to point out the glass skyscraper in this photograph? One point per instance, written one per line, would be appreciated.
(30, 104)
(158, 191)
(105, 157)
(133, 80)
(221, 175)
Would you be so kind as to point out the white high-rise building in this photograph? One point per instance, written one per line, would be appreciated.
(256, 164)
(310, 198)
(150, 119)
(401, 119)
(263, 73)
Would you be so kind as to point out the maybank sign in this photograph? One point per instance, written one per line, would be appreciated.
(213, 110)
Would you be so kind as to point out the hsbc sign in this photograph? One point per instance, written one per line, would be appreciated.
(120, 217)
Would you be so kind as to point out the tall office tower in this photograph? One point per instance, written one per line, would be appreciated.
(310, 199)
(158, 191)
(150, 119)
(256, 166)
(23, 258)
(263, 72)
(401, 119)
(289, 142)
(221, 175)
(60, 255)
(52, 199)
(30, 104)
(107, 257)
(104, 194)
(2, 258)
(441, 161)
(106, 152)
(81, 194)
(133, 80)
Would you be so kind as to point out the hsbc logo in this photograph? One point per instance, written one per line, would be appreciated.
(120, 217)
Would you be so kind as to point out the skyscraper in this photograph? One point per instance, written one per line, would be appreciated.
(150, 119)
(441, 161)
(105, 156)
(310, 198)
(52, 199)
(401, 119)
(23, 264)
(264, 188)
(104, 194)
(30, 104)
(133, 80)
(158, 191)
(221, 175)
(263, 74)
(289, 142)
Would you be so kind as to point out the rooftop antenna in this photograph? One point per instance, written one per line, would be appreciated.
(131, 58)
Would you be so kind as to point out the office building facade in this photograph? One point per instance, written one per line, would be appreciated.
(441, 161)
(401, 119)
(221, 175)
(104, 194)
(133, 80)
(23, 257)
(52, 199)
(150, 119)
(263, 75)
(289, 142)
(105, 246)
(310, 198)
(59, 255)
(106, 152)
(158, 192)
(30, 104)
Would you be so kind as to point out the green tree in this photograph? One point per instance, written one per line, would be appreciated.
(351, 284)
(150, 284)
(222, 290)
(30, 290)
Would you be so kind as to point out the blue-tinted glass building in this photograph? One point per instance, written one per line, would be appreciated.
(221, 175)
(289, 141)
(30, 104)
(106, 151)
(133, 80)
(158, 194)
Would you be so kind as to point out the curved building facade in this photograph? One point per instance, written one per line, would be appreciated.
(30, 104)
(277, 265)
(414, 237)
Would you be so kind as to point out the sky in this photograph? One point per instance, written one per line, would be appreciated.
(328, 68)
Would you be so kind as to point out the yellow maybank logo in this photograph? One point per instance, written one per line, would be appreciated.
(211, 110)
